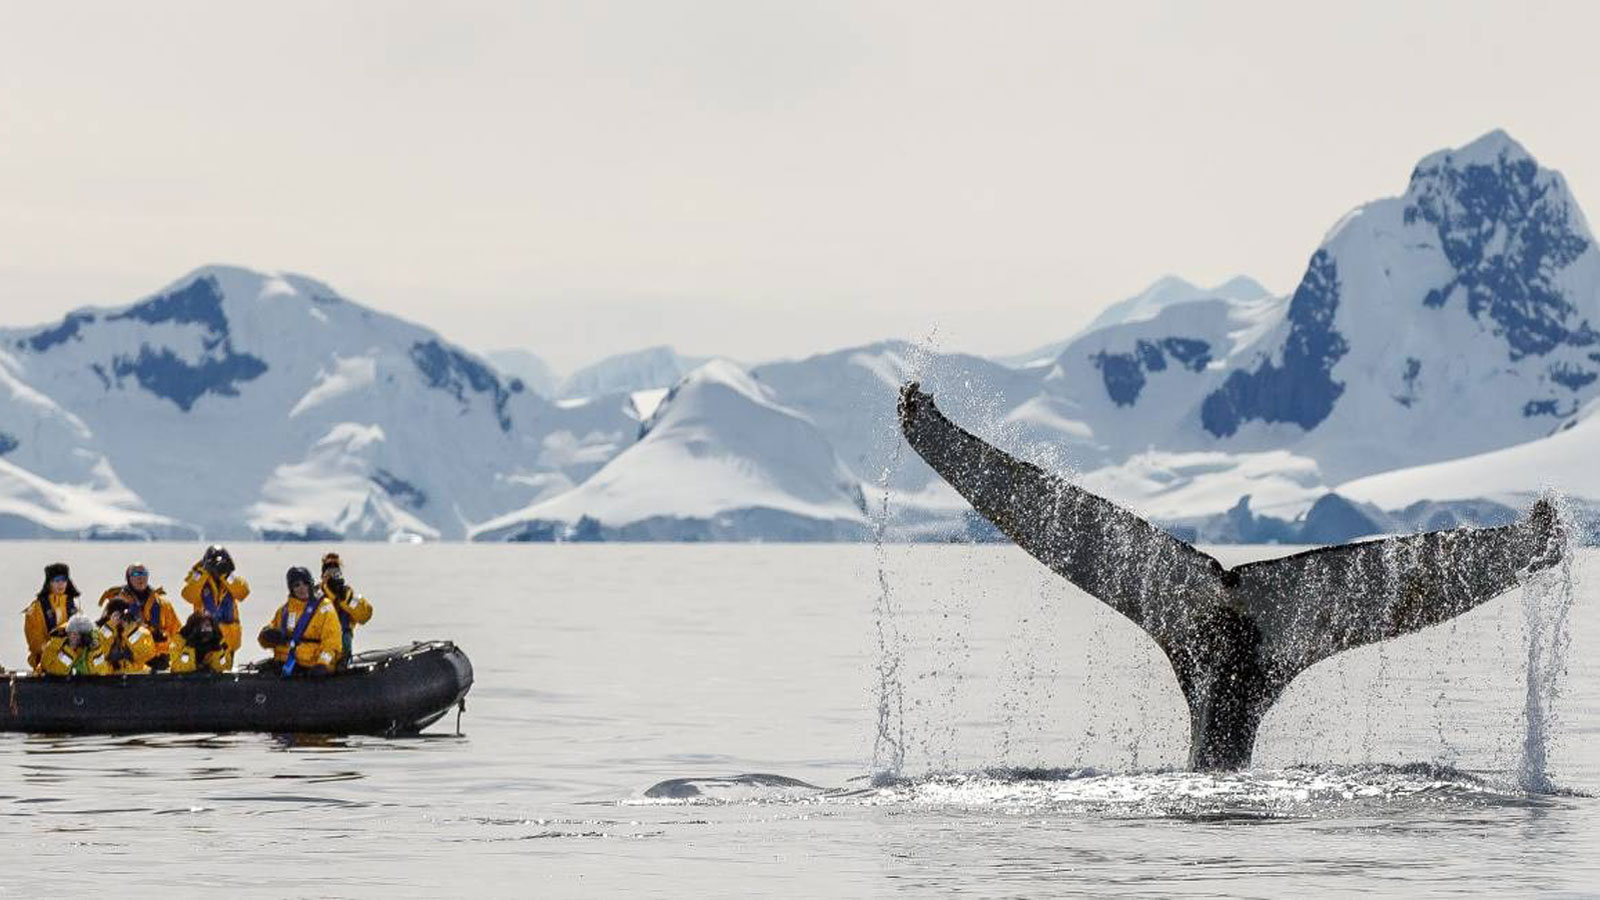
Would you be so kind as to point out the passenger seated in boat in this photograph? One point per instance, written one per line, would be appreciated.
(51, 607)
(74, 649)
(151, 606)
(214, 589)
(303, 634)
(198, 647)
(352, 608)
(126, 641)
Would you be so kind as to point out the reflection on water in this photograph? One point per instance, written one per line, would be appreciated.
(749, 675)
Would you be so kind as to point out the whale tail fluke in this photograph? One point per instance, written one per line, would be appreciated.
(1235, 637)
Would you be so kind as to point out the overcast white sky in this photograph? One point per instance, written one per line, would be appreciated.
(750, 178)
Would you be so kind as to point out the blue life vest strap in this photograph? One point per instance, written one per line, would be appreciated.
(298, 637)
(224, 611)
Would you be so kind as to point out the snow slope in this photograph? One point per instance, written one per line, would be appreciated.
(1167, 291)
(535, 373)
(640, 370)
(719, 459)
(1514, 476)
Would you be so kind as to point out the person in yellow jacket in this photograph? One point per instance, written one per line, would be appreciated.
(151, 606)
(351, 608)
(198, 647)
(304, 634)
(125, 641)
(74, 649)
(214, 589)
(56, 602)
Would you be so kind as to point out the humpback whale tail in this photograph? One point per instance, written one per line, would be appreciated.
(1235, 637)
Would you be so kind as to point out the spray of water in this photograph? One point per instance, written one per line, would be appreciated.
(889, 743)
(1546, 605)
(889, 746)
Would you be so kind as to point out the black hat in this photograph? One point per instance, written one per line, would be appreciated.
(298, 575)
(53, 571)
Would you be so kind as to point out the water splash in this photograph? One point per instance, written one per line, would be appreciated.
(889, 744)
(1546, 606)
(1296, 792)
(889, 740)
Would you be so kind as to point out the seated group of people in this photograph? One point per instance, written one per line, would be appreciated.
(137, 631)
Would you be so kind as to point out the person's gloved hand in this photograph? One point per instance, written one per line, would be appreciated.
(160, 662)
(273, 637)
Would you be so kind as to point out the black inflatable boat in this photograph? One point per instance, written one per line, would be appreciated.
(388, 692)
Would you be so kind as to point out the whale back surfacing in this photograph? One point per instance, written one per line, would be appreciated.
(1235, 637)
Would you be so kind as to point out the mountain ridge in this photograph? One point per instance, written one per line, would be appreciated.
(1451, 322)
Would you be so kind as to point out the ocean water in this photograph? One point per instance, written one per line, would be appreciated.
(978, 728)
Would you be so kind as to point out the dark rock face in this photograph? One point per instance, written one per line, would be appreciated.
(198, 303)
(1408, 395)
(311, 534)
(1547, 408)
(1334, 520)
(60, 334)
(402, 491)
(8, 443)
(456, 373)
(1573, 378)
(163, 373)
(1241, 525)
(220, 369)
(1124, 373)
(1301, 389)
(1506, 232)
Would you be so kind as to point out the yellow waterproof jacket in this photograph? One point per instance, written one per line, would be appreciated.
(156, 613)
(186, 659)
(351, 608)
(59, 659)
(321, 645)
(40, 619)
(132, 637)
(219, 597)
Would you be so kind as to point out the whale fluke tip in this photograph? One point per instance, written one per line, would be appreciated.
(911, 397)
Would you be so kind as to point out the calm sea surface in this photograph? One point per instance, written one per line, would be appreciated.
(1036, 736)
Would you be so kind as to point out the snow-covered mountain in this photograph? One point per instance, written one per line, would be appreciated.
(240, 403)
(626, 373)
(1452, 320)
(1147, 304)
(536, 374)
(721, 459)
(1437, 363)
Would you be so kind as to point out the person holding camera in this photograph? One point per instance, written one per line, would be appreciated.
(351, 608)
(303, 634)
(151, 606)
(212, 588)
(198, 647)
(74, 649)
(127, 643)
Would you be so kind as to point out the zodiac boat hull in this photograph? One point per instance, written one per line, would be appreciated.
(385, 692)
